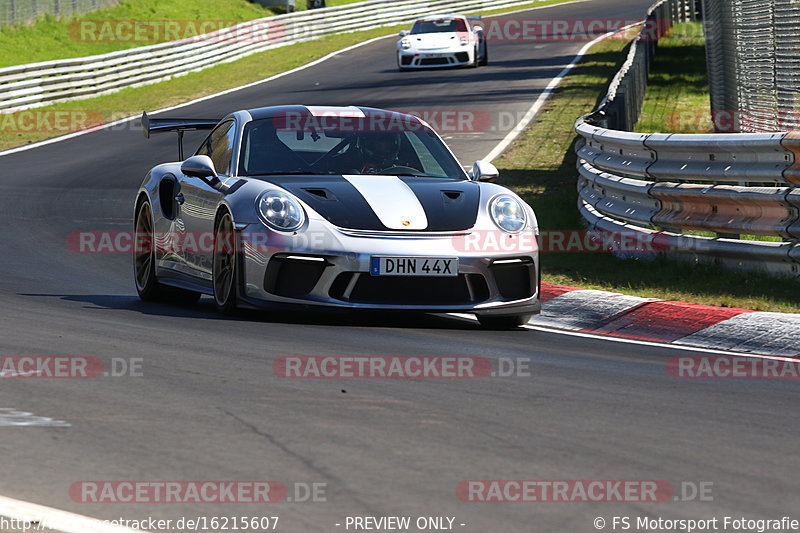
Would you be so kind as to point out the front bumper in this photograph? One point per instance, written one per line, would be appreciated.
(438, 59)
(331, 268)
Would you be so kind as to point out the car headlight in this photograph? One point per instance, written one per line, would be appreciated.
(405, 44)
(280, 211)
(508, 213)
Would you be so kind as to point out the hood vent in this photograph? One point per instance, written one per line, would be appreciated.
(325, 194)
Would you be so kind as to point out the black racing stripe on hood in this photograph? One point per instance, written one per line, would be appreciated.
(449, 204)
(345, 206)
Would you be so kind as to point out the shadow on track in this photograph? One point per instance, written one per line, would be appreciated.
(204, 309)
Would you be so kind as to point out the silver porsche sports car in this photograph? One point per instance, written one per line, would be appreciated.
(335, 207)
(439, 41)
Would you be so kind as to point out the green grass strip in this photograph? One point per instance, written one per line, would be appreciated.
(51, 37)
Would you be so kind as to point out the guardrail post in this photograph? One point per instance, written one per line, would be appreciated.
(791, 142)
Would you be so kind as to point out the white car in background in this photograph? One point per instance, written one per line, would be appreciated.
(442, 41)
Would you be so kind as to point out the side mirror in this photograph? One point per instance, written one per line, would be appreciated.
(201, 166)
(404, 33)
(484, 171)
(477, 28)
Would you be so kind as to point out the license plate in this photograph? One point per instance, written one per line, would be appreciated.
(414, 266)
(434, 56)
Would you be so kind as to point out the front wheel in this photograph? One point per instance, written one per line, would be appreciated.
(503, 322)
(224, 270)
(485, 55)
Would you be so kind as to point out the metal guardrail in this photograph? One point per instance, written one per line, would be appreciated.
(665, 187)
(38, 84)
(623, 104)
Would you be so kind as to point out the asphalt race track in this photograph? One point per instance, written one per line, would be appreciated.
(209, 406)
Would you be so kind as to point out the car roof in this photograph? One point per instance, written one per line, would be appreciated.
(320, 111)
(441, 16)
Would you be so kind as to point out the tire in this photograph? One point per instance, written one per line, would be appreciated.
(485, 56)
(503, 322)
(144, 260)
(475, 62)
(225, 270)
(144, 263)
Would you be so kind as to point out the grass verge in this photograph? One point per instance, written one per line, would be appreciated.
(25, 127)
(51, 37)
(677, 98)
(540, 166)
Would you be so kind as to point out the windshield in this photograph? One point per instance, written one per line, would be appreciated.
(439, 26)
(337, 145)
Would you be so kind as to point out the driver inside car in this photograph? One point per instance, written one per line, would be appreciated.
(378, 151)
(370, 153)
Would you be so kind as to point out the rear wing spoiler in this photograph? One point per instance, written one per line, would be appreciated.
(178, 125)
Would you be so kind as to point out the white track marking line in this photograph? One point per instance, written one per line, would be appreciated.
(653, 344)
(57, 520)
(533, 112)
(11, 417)
(247, 86)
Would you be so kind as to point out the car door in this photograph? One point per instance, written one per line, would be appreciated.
(199, 200)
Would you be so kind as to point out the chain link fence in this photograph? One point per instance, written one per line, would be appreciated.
(753, 52)
(23, 11)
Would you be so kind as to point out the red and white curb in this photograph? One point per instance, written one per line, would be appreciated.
(648, 319)
(41, 518)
